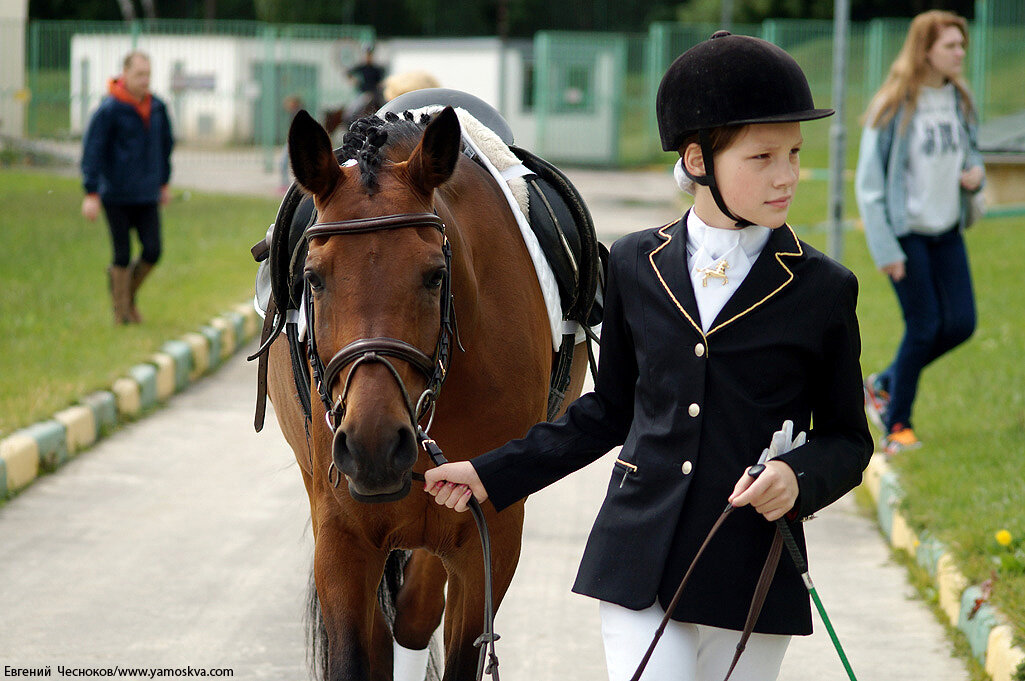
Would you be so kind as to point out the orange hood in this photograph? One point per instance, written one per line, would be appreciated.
(121, 94)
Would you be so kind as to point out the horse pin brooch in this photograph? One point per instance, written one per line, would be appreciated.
(718, 272)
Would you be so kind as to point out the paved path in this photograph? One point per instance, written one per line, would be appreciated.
(183, 540)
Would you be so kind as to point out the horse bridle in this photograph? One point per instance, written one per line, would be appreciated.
(435, 369)
(368, 350)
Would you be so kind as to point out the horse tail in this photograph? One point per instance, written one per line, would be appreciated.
(316, 633)
(391, 582)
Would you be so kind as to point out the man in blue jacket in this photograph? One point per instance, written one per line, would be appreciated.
(126, 165)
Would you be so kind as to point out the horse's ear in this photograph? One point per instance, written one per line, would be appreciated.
(313, 161)
(434, 159)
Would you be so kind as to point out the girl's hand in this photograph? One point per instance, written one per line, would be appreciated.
(452, 484)
(971, 178)
(895, 270)
(773, 493)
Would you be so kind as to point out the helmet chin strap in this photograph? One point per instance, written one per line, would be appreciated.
(708, 179)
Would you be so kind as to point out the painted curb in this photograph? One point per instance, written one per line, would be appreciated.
(45, 446)
(145, 375)
(950, 583)
(79, 427)
(226, 331)
(20, 456)
(1002, 657)
(976, 621)
(129, 404)
(253, 322)
(213, 338)
(51, 439)
(181, 353)
(199, 351)
(165, 376)
(990, 639)
(104, 406)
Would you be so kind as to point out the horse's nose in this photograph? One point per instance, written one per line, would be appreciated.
(375, 461)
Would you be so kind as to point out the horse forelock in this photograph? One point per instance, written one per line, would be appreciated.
(372, 140)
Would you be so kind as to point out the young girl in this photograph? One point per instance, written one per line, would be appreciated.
(717, 329)
(918, 169)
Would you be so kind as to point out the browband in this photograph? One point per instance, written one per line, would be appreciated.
(374, 224)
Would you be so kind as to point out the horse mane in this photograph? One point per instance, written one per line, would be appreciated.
(368, 137)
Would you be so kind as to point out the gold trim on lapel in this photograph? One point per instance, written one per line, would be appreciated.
(651, 259)
(790, 278)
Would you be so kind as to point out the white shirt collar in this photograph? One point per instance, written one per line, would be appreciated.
(718, 241)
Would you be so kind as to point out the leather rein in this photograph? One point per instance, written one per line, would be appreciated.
(761, 588)
(435, 369)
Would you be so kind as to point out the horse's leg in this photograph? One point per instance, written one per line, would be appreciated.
(419, 607)
(347, 576)
(464, 614)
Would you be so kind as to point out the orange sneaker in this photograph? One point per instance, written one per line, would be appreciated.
(877, 401)
(900, 439)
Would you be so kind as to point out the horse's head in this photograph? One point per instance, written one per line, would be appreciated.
(377, 276)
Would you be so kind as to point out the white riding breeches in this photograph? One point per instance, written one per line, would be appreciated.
(686, 652)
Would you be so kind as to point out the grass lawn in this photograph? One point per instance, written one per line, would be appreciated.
(968, 481)
(57, 338)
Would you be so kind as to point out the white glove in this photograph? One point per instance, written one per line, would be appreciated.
(782, 442)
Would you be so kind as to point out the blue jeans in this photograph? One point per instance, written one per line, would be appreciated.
(939, 314)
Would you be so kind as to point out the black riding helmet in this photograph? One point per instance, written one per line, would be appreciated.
(729, 80)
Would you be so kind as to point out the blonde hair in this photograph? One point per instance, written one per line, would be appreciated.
(910, 68)
(407, 81)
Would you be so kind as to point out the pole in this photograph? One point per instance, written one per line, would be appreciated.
(837, 130)
(726, 15)
(503, 46)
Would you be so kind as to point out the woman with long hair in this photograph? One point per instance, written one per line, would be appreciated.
(918, 168)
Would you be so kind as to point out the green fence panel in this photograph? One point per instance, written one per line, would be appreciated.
(579, 83)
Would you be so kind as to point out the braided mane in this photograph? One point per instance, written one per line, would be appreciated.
(367, 137)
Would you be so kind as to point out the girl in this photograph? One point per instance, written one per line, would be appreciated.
(717, 328)
(917, 171)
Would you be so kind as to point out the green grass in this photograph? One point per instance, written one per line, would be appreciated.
(968, 481)
(57, 338)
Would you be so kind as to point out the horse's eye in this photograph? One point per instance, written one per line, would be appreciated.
(435, 279)
(314, 280)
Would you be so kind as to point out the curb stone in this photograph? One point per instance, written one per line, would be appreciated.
(990, 638)
(47, 445)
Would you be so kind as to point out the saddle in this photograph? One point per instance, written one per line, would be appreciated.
(557, 216)
(564, 228)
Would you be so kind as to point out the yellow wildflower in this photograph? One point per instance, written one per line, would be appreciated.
(1003, 537)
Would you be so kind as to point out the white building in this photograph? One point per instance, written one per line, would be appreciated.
(229, 89)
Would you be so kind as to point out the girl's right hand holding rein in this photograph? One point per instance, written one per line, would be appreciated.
(452, 484)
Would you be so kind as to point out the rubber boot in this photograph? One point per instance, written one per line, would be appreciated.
(140, 269)
(120, 291)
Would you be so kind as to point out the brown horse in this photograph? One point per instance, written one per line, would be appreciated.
(371, 283)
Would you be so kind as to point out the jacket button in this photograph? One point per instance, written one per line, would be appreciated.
(699, 350)
(687, 467)
(694, 409)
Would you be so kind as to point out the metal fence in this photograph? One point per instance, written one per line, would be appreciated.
(592, 95)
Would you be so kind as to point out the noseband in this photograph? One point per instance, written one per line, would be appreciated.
(371, 350)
